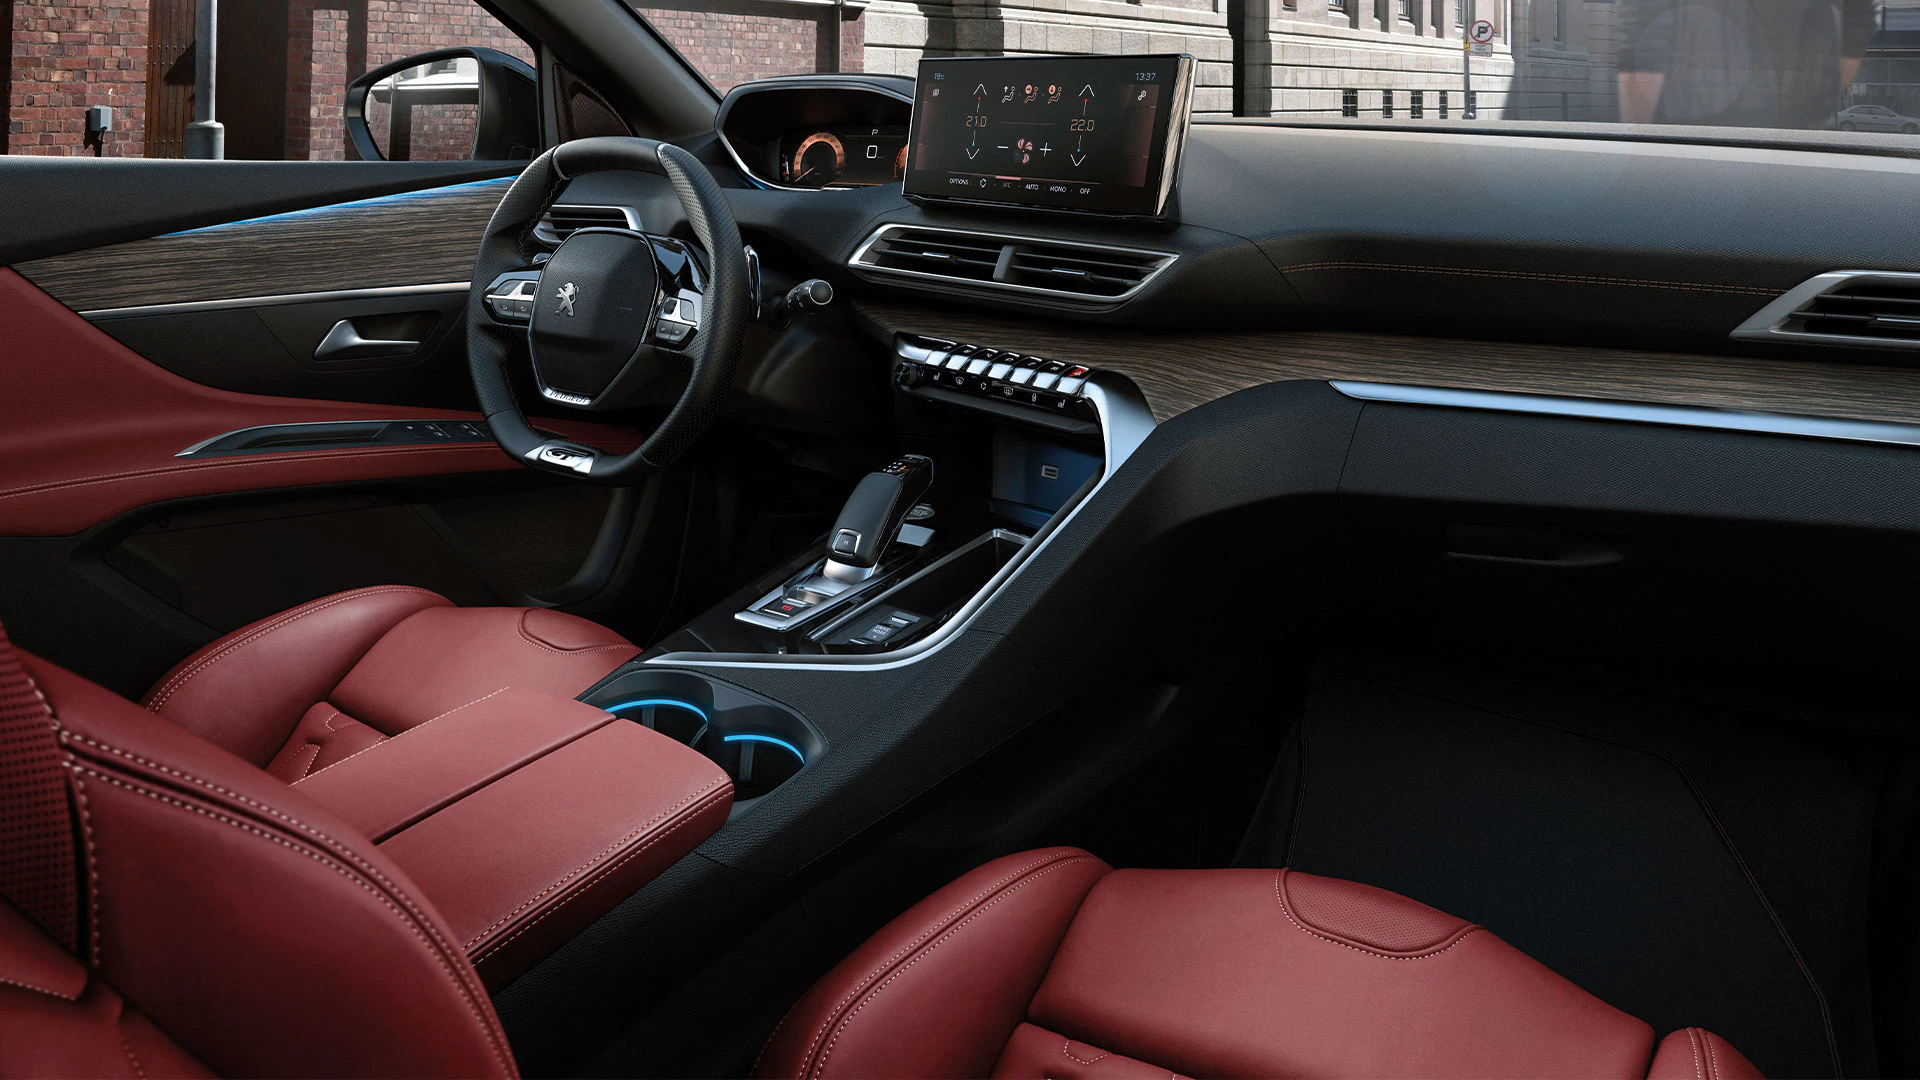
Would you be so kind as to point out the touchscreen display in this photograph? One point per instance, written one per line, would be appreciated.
(1092, 133)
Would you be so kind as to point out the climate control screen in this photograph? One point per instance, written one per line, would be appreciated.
(1092, 133)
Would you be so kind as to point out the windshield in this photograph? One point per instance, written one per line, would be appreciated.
(1845, 65)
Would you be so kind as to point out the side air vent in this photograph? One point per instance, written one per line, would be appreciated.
(1862, 308)
(562, 221)
(1093, 273)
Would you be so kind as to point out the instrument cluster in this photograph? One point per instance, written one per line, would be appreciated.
(843, 157)
(810, 132)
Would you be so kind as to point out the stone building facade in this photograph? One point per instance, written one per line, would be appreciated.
(1552, 59)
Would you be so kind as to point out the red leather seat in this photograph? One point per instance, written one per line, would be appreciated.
(1052, 964)
(169, 908)
(301, 690)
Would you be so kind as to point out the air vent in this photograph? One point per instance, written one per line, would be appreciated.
(1076, 271)
(933, 251)
(562, 221)
(1862, 308)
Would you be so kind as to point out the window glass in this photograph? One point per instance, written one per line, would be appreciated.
(116, 78)
(1781, 64)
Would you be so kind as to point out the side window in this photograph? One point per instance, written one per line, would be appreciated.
(119, 78)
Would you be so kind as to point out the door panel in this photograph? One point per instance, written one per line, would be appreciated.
(269, 348)
(60, 205)
(89, 429)
(413, 238)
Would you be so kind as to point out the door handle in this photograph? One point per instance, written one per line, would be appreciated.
(344, 342)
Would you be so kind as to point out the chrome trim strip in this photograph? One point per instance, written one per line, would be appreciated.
(726, 108)
(1125, 423)
(1692, 416)
(1168, 258)
(186, 306)
(547, 236)
(204, 443)
(1768, 323)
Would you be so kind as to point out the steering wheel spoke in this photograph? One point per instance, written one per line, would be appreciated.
(610, 311)
(564, 456)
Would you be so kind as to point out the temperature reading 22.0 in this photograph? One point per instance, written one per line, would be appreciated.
(1090, 133)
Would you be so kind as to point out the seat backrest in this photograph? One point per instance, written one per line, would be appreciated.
(178, 907)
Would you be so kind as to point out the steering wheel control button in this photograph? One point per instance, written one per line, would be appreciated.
(679, 318)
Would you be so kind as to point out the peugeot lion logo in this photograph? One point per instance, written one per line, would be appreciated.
(566, 294)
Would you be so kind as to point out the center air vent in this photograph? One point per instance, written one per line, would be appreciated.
(1864, 308)
(561, 222)
(1085, 272)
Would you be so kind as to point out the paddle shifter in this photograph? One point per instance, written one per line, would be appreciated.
(873, 515)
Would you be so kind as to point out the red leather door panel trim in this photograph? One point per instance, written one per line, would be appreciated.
(89, 428)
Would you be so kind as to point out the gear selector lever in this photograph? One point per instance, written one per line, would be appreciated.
(873, 515)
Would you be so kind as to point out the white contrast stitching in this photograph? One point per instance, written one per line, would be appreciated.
(1066, 1047)
(93, 864)
(521, 626)
(703, 793)
(1302, 927)
(416, 727)
(587, 887)
(128, 1047)
(48, 990)
(313, 746)
(340, 850)
(411, 926)
(861, 986)
(285, 619)
(820, 1067)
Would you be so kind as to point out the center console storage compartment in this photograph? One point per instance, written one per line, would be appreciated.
(760, 744)
(926, 599)
(524, 816)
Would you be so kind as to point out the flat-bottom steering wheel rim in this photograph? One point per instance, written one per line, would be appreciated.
(508, 245)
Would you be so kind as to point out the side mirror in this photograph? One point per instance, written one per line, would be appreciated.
(463, 104)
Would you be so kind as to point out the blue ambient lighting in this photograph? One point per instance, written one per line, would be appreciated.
(782, 743)
(667, 703)
(357, 204)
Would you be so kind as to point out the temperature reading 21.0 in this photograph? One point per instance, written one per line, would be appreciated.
(1075, 132)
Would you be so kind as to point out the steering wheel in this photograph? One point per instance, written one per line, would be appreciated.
(612, 309)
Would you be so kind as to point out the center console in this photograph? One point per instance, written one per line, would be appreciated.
(920, 545)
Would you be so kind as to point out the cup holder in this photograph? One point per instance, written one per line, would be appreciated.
(759, 743)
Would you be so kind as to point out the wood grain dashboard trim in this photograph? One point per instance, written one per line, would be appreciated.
(1179, 370)
(414, 238)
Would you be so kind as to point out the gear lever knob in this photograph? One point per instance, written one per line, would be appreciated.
(876, 510)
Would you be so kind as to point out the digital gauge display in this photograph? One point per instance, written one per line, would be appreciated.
(1100, 134)
(843, 157)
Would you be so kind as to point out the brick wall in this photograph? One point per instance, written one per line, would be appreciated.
(67, 57)
(735, 41)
